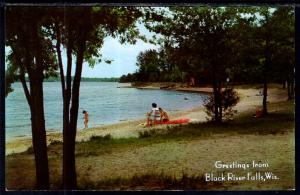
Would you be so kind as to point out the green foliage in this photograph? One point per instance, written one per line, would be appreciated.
(192, 38)
(229, 98)
(55, 142)
(143, 134)
(155, 181)
(30, 150)
(202, 42)
(10, 77)
(148, 65)
(128, 78)
(211, 44)
(148, 133)
(155, 66)
(100, 138)
(31, 49)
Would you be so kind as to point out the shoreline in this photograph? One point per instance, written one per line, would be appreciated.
(168, 86)
(122, 129)
(131, 128)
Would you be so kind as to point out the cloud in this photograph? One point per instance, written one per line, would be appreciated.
(123, 56)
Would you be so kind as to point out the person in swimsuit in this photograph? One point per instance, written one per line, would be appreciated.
(86, 119)
(163, 115)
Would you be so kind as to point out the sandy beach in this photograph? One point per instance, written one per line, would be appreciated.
(249, 99)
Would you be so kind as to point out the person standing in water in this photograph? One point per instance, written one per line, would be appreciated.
(86, 118)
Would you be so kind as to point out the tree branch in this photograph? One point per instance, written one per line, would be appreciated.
(26, 90)
(76, 83)
(61, 70)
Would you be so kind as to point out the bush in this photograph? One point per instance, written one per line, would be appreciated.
(149, 133)
(55, 142)
(101, 138)
(30, 150)
(228, 99)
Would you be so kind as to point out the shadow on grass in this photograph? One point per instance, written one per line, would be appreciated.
(280, 120)
(150, 181)
(274, 123)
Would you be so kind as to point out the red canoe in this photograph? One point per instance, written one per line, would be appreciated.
(178, 121)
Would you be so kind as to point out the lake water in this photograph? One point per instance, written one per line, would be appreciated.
(104, 101)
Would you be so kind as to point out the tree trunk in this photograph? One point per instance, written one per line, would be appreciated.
(266, 69)
(215, 93)
(68, 172)
(265, 89)
(60, 64)
(39, 134)
(220, 103)
(289, 90)
(69, 165)
(35, 98)
(265, 94)
(74, 114)
(284, 85)
(293, 89)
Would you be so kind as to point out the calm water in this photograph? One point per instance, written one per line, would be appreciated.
(105, 102)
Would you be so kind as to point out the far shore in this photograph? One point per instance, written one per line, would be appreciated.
(167, 86)
(249, 100)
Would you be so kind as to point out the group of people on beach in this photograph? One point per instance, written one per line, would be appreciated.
(156, 115)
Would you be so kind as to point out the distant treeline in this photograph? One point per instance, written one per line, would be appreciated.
(84, 79)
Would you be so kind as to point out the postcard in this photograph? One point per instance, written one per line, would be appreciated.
(149, 98)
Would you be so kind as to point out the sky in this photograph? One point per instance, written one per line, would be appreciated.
(123, 57)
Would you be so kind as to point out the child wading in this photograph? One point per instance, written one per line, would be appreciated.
(86, 118)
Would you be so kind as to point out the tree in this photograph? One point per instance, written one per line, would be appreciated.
(158, 65)
(128, 78)
(266, 61)
(229, 99)
(283, 59)
(172, 66)
(273, 37)
(148, 63)
(205, 40)
(81, 31)
(31, 54)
